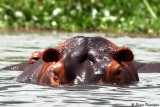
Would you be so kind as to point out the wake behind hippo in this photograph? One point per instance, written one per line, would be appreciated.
(81, 60)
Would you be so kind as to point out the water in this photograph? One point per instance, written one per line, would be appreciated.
(17, 48)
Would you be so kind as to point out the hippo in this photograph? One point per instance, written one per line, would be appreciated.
(80, 60)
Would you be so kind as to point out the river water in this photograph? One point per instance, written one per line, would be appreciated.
(16, 48)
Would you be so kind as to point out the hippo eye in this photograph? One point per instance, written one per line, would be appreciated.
(119, 71)
(35, 58)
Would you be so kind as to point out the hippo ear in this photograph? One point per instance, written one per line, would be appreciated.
(50, 55)
(124, 54)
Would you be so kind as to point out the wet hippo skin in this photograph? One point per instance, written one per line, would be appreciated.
(17, 67)
(82, 60)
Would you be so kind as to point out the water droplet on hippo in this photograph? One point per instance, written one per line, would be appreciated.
(80, 80)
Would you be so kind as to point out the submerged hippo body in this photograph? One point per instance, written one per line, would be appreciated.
(81, 60)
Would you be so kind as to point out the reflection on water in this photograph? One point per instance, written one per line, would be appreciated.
(15, 49)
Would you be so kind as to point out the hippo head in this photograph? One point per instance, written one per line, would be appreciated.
(87, 60)
(35, 56)
(120, 69)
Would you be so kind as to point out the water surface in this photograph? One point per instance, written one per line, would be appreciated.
(18, 48)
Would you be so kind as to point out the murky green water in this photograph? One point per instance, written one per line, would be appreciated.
(18, 48)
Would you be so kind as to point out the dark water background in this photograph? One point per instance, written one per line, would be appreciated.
(15, 48)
